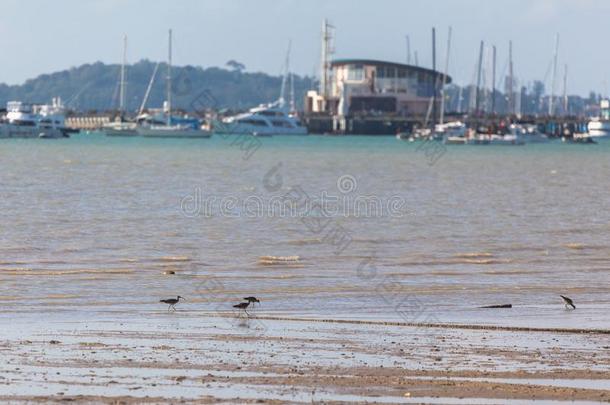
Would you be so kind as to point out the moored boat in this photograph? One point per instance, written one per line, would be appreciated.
(24, 120)
(120, 128)
(266, 119)
(580, 138)
(599, 126)
(167, 128)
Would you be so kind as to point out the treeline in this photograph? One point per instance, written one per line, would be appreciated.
(96, 87)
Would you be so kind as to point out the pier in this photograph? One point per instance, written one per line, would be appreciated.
(391, 125)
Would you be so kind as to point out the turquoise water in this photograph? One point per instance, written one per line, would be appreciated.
(91, 224)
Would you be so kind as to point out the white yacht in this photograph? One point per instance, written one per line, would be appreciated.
(24, 120)
(530, 133)
(512, 137)
(600, 126)
(277, 118)
(264, 120)
(462, 136)
(452, 133)
(169, 127)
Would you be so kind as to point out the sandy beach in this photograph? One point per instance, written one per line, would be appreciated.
(192, 357)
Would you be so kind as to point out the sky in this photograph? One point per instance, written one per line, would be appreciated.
(41, 36)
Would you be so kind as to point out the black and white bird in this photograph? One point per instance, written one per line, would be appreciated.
(568, 302)
(172, 302)
(252, 300)
(244, 306)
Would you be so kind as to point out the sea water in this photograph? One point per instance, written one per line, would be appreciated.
(355, 228)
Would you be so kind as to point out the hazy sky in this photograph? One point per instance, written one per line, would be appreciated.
(40, 36)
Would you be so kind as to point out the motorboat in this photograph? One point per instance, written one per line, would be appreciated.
(531, 134)
(600, 126)
(505, 136)
(276, 118)
(25, 120)
(266, 119)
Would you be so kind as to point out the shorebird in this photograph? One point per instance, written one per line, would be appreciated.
(244, 306)
(568, 302)
(171, 302)
(252, 300)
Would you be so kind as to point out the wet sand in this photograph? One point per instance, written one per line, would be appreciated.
(188, 356)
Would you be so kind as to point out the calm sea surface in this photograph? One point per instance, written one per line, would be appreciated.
(90, 225)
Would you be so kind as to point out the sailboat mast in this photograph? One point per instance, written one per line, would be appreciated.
(565, 90)
(293, 106)
(493, 82)
(552, 99)
(435, 89)
(123, 84)
(285, 78)
(148, 89)
(479, 68)
(511, 94)
(169, 80)
(442, 119)
(324, 64)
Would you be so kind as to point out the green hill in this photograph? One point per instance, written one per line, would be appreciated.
(96, 87)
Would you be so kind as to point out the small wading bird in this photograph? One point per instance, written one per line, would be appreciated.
(172, 301)
(252, 300)
(244, 306)
(568, 301)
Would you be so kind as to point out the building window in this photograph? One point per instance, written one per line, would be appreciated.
(372, 105)
(355, 73)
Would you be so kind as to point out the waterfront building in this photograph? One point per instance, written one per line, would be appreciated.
(373, 88)
(365, 86)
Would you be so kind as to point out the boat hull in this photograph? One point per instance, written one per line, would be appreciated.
(160, 132)
(241, 129)
(120, 130)
(599, 128)
(29, 132)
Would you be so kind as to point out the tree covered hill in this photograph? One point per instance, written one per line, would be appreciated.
(96, 87)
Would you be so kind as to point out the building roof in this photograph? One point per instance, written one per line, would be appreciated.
(339, 62)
